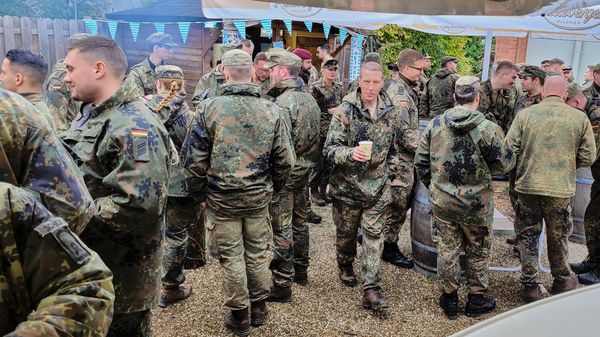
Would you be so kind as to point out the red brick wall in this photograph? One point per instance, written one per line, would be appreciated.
(511, 48)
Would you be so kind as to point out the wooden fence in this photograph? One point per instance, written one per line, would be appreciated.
(45, 36)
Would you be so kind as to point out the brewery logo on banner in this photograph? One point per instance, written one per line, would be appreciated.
(577, 17)
(453, 29)
(298, 11)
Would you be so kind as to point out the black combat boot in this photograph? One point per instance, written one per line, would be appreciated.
(313, 217)
(449, 303)
(583, 267)
(392, 254)
(347, 275)
(258, 313)
(325, 195)
(238, 322)
(300, 274)
(280, 294)
(591, 277)
(479, 304)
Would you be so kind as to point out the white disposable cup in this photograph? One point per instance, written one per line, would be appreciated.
(366, 146)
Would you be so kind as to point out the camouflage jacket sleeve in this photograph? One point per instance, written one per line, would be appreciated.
(335, 149)
(424, 102)
(201, 87)
(283, 155)
(68, 290)
(133, 204)
(513, 137)
(50, 172)
(195, 153)
(586, 154)
(135, 82)
(57, 100)
(499, 158)
(422, 157)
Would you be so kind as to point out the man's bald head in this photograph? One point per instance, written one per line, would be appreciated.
(555, 86)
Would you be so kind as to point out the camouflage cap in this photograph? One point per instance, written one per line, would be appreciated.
(447, 59)
(282, 57)
(162, 39)
(236, 57)
(372, 57)
(467, 85)
(567, 68)
(169, 71)
(572, 90)
(533, 72)
(329, 63)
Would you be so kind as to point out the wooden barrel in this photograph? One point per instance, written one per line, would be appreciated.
(424, 250)
(580, 202)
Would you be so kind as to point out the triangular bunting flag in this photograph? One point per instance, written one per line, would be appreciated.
(210, 24)
(343, 34)
(241, 27)
(266, 24)
(135, 30)
(308, 25)
(184, 29)
(288, 25)
(160, 27)
(112, 28)
(326, 29)
(92, 26)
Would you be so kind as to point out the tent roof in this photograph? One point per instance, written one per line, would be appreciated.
(164, 11)
(428, 7)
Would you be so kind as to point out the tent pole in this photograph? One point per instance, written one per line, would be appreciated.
(576, 57)
(486, 54)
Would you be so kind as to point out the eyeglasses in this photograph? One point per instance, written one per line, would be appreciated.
(416, 68)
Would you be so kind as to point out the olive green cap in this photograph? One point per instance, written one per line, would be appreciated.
(236, 57)
(169, 71)
(467, 85)
(572, 90)
(162, 39)
(282, 57)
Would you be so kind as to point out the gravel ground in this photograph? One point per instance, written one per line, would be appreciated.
(327, 308)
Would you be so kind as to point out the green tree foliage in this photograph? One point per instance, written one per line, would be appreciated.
(54, 9)
(394, 38)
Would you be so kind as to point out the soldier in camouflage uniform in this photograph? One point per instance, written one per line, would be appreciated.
(288, 208)
(182, 209)
(555, 67)
(142, 76)
(308, 73)
(456, 158)
(404, 94)
(359, 183)
(499, 98)
(588, 271)
(238, 188)
(438, 95)
(328, 93)
(568, 74)
(52, 283)
(122, 149)
(260, 74)
(32, 157)
(57, 93)
(423, 79)
(588, 76)
(23, 72)
(532, 82)
(551, 140)
(209, 85)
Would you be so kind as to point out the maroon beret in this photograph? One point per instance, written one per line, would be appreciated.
(302, 53)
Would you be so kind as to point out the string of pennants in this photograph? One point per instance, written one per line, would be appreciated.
(184, 27)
